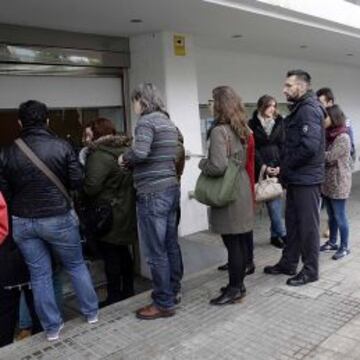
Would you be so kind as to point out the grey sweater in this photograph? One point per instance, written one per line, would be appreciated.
(153, 153)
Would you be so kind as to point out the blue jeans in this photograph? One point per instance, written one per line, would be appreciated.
(336, 209)
(25, 321)
(274, 208)
(34, 237)
(157, 220)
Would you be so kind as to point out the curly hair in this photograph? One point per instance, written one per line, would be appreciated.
(229, 109)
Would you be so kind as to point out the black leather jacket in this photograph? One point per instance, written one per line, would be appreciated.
(29, 193)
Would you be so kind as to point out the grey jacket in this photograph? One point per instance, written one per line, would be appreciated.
(237, 217)
(337, 183)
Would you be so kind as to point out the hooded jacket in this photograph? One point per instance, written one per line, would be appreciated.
(105, 180)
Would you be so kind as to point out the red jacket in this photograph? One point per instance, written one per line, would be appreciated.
(4, 221)
(250, 163)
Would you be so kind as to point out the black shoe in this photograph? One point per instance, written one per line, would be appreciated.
(178, 298)
(250, 269)
(301, 279)
(224, 267)
(284, 239)
(275, 241)
(277, 270)
(242, 289)
(230, 296)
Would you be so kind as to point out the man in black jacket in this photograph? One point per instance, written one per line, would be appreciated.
(302, 165)
(42, 217)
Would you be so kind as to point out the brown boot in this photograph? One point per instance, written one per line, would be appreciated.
(152, 312)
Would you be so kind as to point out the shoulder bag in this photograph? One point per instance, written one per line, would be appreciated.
(223, 190)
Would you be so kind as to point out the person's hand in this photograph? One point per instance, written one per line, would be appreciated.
(276, 171)
(122, 163)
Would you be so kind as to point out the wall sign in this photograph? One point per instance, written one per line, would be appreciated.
(179, 45)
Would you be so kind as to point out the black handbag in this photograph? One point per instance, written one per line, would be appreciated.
(96, 218)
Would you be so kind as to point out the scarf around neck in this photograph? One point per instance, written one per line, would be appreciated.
(333, 132)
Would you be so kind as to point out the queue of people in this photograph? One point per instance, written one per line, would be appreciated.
(129, 191)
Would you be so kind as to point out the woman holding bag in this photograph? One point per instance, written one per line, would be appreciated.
(229, 138)
(268, 129)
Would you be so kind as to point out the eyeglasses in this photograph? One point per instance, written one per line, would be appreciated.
(210, 102)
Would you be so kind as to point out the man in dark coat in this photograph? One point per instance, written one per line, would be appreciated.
(302, 164)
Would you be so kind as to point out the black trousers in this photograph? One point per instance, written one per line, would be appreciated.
(119, 271)
(302, 220)
(9, 312)
(250, 247)
(237, 257)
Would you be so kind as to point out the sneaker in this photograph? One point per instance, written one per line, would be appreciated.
(54, 335)
(328, 246)
(93, 319)
(340, 254)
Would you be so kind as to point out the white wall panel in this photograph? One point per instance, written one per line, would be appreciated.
(60, 91)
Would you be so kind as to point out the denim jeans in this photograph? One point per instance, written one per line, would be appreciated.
(34, 238)
(157, 220)
(336, 209)
(25, 321)
(274, 208)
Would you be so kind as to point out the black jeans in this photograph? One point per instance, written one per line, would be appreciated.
(119, 271)
(9, 312)
(302, 220)
(236, 245)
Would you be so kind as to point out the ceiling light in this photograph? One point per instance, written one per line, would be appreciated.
(237, 36)
(136, 21)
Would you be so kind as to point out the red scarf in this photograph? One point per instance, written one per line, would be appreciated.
(333, 132)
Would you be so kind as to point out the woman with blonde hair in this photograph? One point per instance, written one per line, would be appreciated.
(229, 137)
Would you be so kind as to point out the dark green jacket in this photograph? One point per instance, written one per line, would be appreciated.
(106, 180)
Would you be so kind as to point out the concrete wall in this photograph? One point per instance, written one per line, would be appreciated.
(153, 60)
(253, 75)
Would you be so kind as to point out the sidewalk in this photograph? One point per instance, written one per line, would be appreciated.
(274, 322)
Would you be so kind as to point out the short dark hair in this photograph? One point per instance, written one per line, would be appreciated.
(33, 113)
(336, 115)
(102, 127)
(300, 74)
(327, 92)
(264, 102)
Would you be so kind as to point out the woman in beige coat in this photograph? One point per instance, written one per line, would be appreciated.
(228, 138)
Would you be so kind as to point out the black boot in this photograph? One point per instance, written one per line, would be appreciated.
(229, 296)
(275, 241)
